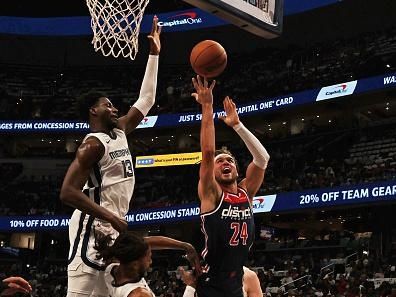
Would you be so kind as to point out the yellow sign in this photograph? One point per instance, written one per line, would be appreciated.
(168, 160)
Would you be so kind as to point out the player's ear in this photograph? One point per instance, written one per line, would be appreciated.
(92, 111)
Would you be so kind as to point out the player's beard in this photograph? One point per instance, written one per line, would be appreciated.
(226, 182)
(112, 124)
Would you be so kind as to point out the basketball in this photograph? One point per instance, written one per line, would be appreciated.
(208, 58)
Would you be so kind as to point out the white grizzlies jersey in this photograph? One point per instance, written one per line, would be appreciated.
(124, 289)
(110, 184)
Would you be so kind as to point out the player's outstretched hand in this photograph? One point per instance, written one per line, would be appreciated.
(16, 284)
(120, 224)
(187, 277)
(193, 258)
(154, 37)
(203, 93)
(231, 119)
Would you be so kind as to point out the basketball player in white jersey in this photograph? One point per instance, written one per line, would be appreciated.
(132, 256)
(251, 283)
(103, 169)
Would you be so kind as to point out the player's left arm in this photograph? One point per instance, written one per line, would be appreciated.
(256, 169)
(251, 284)
(162, 242)
(149, 85)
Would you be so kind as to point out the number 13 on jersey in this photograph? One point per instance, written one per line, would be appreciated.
(128, 169)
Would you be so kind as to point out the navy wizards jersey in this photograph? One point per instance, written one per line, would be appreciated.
(228, 232)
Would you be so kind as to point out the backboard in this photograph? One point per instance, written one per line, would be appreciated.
(261, 17)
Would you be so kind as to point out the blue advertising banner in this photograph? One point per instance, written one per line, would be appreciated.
(183, 20)
(261, 106)
(172, 22)
(329, 197)
(292, 201)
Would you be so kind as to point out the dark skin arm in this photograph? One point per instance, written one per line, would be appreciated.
(88, 154)
(131, 120)
(162, 242)
(140, 292)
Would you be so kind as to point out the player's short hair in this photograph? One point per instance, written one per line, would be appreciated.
(127, 247)
(224, 150)
(86, 101)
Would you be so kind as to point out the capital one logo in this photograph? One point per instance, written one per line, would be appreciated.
(185, 18)
(263, 203)
(338, 90)
(258, 202)
(148, 122)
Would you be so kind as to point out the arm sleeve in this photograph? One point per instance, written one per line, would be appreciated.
(149, 86)
(258, 151)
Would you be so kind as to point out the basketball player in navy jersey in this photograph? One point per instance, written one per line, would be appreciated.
(226, 206)
(103, 169)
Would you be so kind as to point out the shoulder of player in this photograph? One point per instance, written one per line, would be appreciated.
(210, 196)
(90, 151)
(119, 130)
(209, 190)
(140, 292)
(248, 273)
(242, 185)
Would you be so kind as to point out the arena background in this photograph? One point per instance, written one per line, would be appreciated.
(325, 214)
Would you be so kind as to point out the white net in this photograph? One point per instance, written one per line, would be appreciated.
(116, 26)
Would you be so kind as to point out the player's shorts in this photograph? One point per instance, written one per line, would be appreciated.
(85, 272)
(224, 284)
(83, 231)
(83, 281)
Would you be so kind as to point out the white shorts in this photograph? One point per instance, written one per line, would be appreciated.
(83, 281)
(85, 273)
(82, 229)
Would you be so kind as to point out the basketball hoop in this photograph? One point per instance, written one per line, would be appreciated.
(116, 26)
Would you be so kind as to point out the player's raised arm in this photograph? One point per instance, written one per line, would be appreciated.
(256, 169)
(163, 242)
(208, 189)
(149, 85)
(88, 154)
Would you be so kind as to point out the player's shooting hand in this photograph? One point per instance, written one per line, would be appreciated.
(203, 93)
(118, 223)
(231, 119)
(16, 284)
(193, 258)
(154, 37)
(187, 277)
